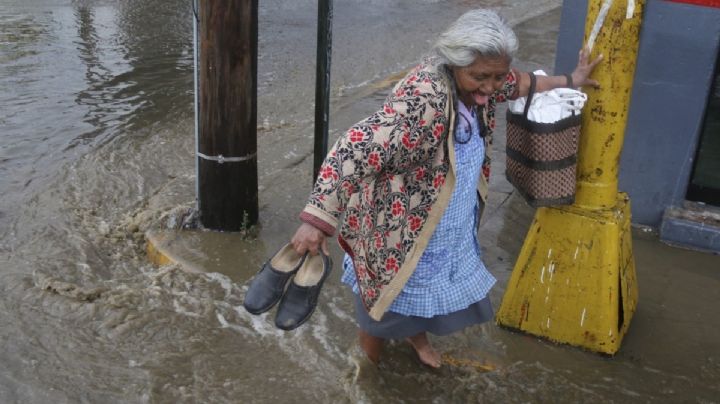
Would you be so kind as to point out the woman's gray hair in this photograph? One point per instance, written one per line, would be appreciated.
(475, 33)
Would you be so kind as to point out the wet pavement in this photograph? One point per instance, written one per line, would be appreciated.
(670, 354)
(84, 316)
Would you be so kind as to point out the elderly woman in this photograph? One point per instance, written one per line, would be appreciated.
(402, 186)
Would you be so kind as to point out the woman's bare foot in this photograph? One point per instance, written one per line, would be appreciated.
(427, 354)
(372, 346)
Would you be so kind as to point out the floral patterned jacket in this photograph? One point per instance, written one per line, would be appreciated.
(389, 178)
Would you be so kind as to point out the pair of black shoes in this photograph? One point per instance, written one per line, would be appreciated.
(305, 276)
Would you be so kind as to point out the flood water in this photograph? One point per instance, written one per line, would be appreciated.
(96, 147)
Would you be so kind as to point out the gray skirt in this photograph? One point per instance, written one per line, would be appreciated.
(398, 326)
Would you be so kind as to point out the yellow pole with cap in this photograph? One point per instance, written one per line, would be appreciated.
(574, 280)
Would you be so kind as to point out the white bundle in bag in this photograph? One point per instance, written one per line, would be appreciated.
(550, 106)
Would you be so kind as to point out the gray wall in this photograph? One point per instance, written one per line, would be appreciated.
(570, 37)
(676, 59)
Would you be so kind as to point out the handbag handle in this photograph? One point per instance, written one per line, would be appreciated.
(533, 83)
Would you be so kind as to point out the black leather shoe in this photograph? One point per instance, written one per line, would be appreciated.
(268, 285)
(301, 297)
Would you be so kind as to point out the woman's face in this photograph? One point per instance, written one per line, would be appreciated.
(483, 77)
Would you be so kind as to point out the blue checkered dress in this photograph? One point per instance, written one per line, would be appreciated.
(450, 275)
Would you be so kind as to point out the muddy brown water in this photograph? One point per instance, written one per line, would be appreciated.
(96, 147)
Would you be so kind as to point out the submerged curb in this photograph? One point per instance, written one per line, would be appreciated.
(154, 251)
(160, 249)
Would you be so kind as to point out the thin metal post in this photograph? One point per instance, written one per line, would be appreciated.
(196, 88)
(322, 83)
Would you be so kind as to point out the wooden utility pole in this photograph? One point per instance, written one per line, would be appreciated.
(227, 114)
(322, 83)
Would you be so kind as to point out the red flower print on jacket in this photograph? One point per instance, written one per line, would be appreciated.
(356, 136)
(415, 222)
(406, 141)
(391, 264)
(328, 172)
(374, 160)
(348, 187)
(378, 239)
(353, 222)
(419, 173)
(438, 131)
(397, 208)
(439, 180)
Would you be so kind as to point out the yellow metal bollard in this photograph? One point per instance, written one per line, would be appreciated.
(574, 280)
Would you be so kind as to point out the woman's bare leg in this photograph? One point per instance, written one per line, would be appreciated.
(371, 345)
(427, 354)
